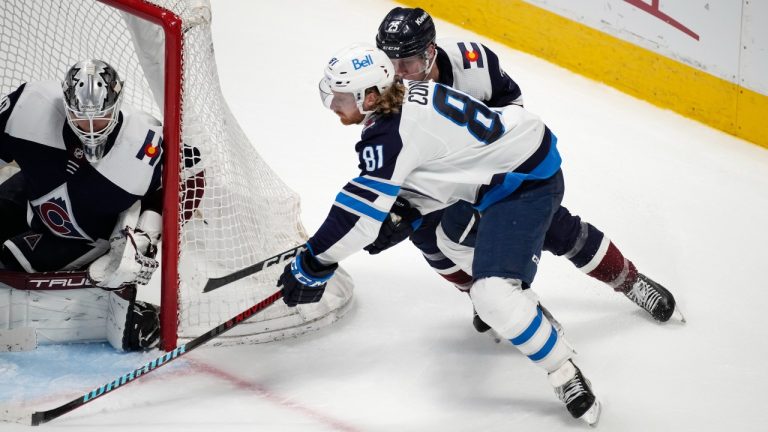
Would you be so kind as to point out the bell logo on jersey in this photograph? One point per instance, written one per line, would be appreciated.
(152, 149)
(55, 211)
(472, 58)
(365, 62)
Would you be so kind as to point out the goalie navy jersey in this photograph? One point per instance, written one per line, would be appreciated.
(444, 146)
(474, 69)
(66, 194)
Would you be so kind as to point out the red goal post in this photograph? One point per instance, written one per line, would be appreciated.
(174, 44)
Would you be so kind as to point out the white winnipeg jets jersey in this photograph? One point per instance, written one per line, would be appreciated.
(444, 146)
(67, 195)
(474, 69)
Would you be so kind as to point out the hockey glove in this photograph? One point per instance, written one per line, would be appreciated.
(396, 228)
(304, 279)
(131, 257)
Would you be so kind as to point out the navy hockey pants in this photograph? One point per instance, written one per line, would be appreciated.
(510, 233)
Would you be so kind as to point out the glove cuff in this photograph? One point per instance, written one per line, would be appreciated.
(310, 272)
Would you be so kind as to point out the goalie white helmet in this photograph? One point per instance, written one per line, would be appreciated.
(354, 70)
(92, 95)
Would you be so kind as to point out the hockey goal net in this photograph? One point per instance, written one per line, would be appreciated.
(224, 208)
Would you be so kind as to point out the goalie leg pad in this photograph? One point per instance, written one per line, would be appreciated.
(516, 316)
(57, 316)
(132, 325)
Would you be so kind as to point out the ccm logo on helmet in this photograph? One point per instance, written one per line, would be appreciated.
(365, 62)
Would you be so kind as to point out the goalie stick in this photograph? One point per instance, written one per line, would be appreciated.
(59, 280)
(39, 417)
(214, 283)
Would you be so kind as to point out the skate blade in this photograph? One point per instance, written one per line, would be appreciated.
(592, 416)
(678, 315)
(495, 336)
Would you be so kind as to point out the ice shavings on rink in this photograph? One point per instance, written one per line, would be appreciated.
(67, 370)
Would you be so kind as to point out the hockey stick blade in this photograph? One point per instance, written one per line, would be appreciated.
(40, 417)
(214, 283)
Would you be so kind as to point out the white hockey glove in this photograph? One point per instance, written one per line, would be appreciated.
(131, 257)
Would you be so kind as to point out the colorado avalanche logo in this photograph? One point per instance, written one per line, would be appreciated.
(55, 211)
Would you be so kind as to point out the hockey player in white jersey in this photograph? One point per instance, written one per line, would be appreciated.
(87, 196)
(436, 146)
(446, 237)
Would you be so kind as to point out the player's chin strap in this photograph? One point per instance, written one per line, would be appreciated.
(131, 257)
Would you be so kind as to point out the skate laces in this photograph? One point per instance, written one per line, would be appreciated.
(644, 295)
(571, 390)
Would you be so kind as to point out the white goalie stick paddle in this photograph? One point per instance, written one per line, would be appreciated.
(219, 282)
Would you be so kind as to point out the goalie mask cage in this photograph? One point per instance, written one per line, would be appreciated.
(224, 209)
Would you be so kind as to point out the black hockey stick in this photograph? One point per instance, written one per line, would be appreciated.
(219, 282)
(40, 417)
(59, 280)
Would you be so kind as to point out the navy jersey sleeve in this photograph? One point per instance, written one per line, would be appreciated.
(364, 202)
(7, 103)
(504, 90)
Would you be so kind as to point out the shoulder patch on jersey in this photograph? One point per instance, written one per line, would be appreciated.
(152, 149)
(471, 55)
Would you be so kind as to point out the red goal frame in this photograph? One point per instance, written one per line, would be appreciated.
(174, 44)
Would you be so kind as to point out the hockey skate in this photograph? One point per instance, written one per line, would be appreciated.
(655, 299)
(576, 393)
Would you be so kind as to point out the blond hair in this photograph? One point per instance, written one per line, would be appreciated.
(391, 100)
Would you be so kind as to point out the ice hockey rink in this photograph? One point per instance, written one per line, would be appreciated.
(687, 203)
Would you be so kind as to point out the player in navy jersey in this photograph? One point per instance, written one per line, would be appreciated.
(87, 196)
(435, 146)
(446, 237)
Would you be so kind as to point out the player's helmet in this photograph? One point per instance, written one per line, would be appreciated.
(92, 95)
(405, 32)
(405, 35)
(354, 70)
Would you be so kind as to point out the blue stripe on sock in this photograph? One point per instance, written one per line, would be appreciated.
(547, 348)
(530, 331)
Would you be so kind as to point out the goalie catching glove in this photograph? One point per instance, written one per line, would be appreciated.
(304, 279)
(131, 256)
(397, 227)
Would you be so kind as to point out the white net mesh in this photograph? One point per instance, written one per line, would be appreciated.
(241, 213)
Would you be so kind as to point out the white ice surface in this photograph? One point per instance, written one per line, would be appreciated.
(687, 203)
